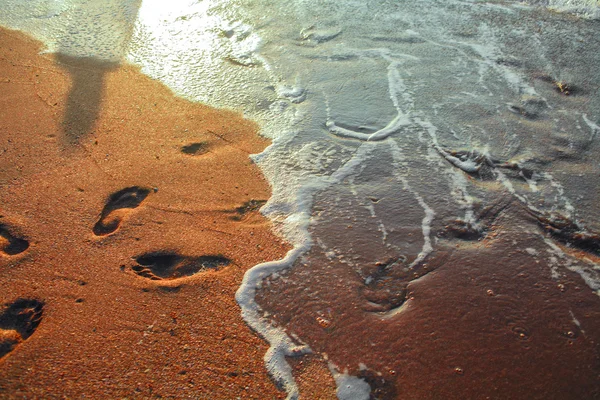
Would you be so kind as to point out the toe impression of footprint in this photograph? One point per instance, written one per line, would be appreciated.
(10, 244)
(167, 265)
(18, 321)
(118, 206)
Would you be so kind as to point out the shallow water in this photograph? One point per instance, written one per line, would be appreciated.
(434, 163)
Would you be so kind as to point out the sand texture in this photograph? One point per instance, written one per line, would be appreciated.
(127, 220)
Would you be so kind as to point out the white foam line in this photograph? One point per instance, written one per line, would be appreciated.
(384, 233)
(456, 178)
(425, 226)
(459, 190)
(557, 254)
(402, 119)
(281, 345)
(394, 126)
(489, 53)
(509, 186)
(464, 199)
(531, 182)
(576, 321)
(594, 127)
(500, 177)
(591, 280)
(561, 195)
(429, 213)
(398, 88)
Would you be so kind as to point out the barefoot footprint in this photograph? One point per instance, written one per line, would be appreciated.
(10, 244)
(249, 207)
(170, 265)
(117, 207)
(196, 149)
(18, 321)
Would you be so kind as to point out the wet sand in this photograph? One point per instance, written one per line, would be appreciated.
(491, 316)
(128, 218)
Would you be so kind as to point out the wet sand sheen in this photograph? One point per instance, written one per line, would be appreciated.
(122, 238)
(487, 317)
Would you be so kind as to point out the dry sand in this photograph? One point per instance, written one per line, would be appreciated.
(94, 319)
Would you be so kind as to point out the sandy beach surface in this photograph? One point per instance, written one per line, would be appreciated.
(127, 220)
(128, 216)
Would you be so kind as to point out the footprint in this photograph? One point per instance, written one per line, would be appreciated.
(11, 244)
(482, 223)
(196, 149)
(18, 321)
(117, 207)
(245, 210)
(568, 231)
(170, 265)
(386, 288)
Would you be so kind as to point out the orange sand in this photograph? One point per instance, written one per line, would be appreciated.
(72, 132)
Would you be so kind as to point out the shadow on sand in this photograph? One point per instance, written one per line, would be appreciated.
(94, 44)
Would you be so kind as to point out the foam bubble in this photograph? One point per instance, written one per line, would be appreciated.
(349, 387)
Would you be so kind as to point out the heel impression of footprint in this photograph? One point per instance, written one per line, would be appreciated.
(10, 243)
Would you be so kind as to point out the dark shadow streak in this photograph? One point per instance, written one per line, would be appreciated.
(88, 73)
(85, 97)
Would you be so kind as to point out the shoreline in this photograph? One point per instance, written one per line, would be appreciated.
(133, 219)
(140, 213)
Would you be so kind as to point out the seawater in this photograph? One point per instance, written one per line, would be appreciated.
(397, 127)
